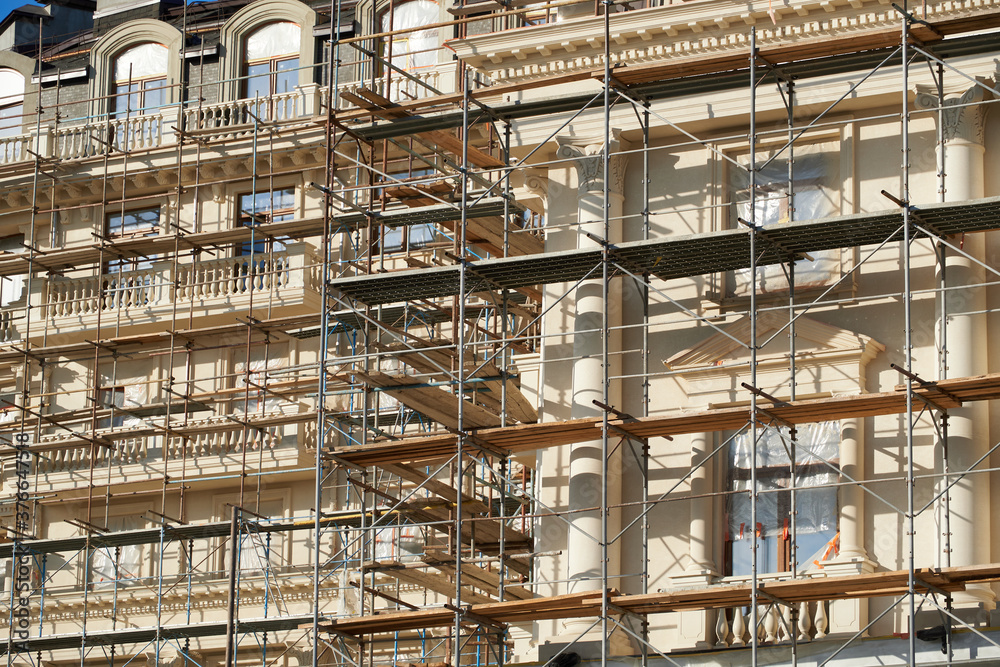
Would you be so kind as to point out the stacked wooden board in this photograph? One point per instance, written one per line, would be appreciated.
(589, 604)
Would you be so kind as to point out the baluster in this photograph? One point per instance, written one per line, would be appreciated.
(805, 622)
(739, 626)
(786, 630)
(771, 623)
(722, 629)
(821, 620)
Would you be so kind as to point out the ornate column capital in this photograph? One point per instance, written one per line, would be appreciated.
(587, 156)
(963, 115)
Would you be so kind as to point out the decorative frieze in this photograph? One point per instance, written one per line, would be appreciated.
(686, 30)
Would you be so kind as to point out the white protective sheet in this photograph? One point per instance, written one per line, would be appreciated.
(417, 48)
(275, 39)
(140, 62)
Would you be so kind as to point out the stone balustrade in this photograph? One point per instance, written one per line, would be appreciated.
(234, 118)
(775, 623)
(212, 444)
(296, 267)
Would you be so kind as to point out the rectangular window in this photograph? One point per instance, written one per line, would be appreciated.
(261, 208)
(132, 224)
(816, 509)
(409, 237)
(127, 280)
(260, 550)
(122, 400)
(809, 191)
(268, 268)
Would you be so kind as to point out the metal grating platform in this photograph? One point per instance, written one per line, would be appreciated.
(676, 257)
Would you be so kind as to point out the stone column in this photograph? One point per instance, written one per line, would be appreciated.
(696, 627)
(586, 465)
(966, 339)
(848, 616)
(852, 496)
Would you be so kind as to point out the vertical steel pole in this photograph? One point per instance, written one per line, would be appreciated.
(753, 347)
(908, 342)
(460, 333)
(234, 563)
(605, 332)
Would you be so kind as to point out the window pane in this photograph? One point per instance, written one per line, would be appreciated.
(126, 98)
(258, 80)
(10, 120)
(154, 94)
(287, 76)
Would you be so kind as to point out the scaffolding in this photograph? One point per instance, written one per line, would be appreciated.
(375, 349)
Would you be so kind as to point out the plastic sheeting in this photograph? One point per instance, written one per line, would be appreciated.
(813, 443)
(140, 62)
(273, 40)
(260, 368)
(417, 48)
(134, 394)
(402, 543)
(11, 287)
(105, 569)
(816, 174)
(11, 87)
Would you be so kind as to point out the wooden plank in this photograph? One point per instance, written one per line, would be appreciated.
(437, 403)
(528, 437)
(432, 581)
(453, 144)
(436, 487)
(720, 596)
(482, 578)
(431, 361)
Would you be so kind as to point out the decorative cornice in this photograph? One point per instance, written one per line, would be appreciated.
(707, 28)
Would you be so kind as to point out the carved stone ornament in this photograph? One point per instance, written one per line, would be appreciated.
(587, 157)
(963, 116)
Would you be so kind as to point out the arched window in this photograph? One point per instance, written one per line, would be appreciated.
(11, 102)
(140, 84)
(272, 59)
(417, 48)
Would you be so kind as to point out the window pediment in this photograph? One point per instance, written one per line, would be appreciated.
(828, 359)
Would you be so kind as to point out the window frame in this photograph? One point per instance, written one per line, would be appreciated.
(144, 567)
(721, 287)
(780, 533)
(386, 43)
(139, 262)
(118, 40)
(256, 15)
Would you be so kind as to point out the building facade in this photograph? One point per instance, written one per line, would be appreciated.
(407, 332)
